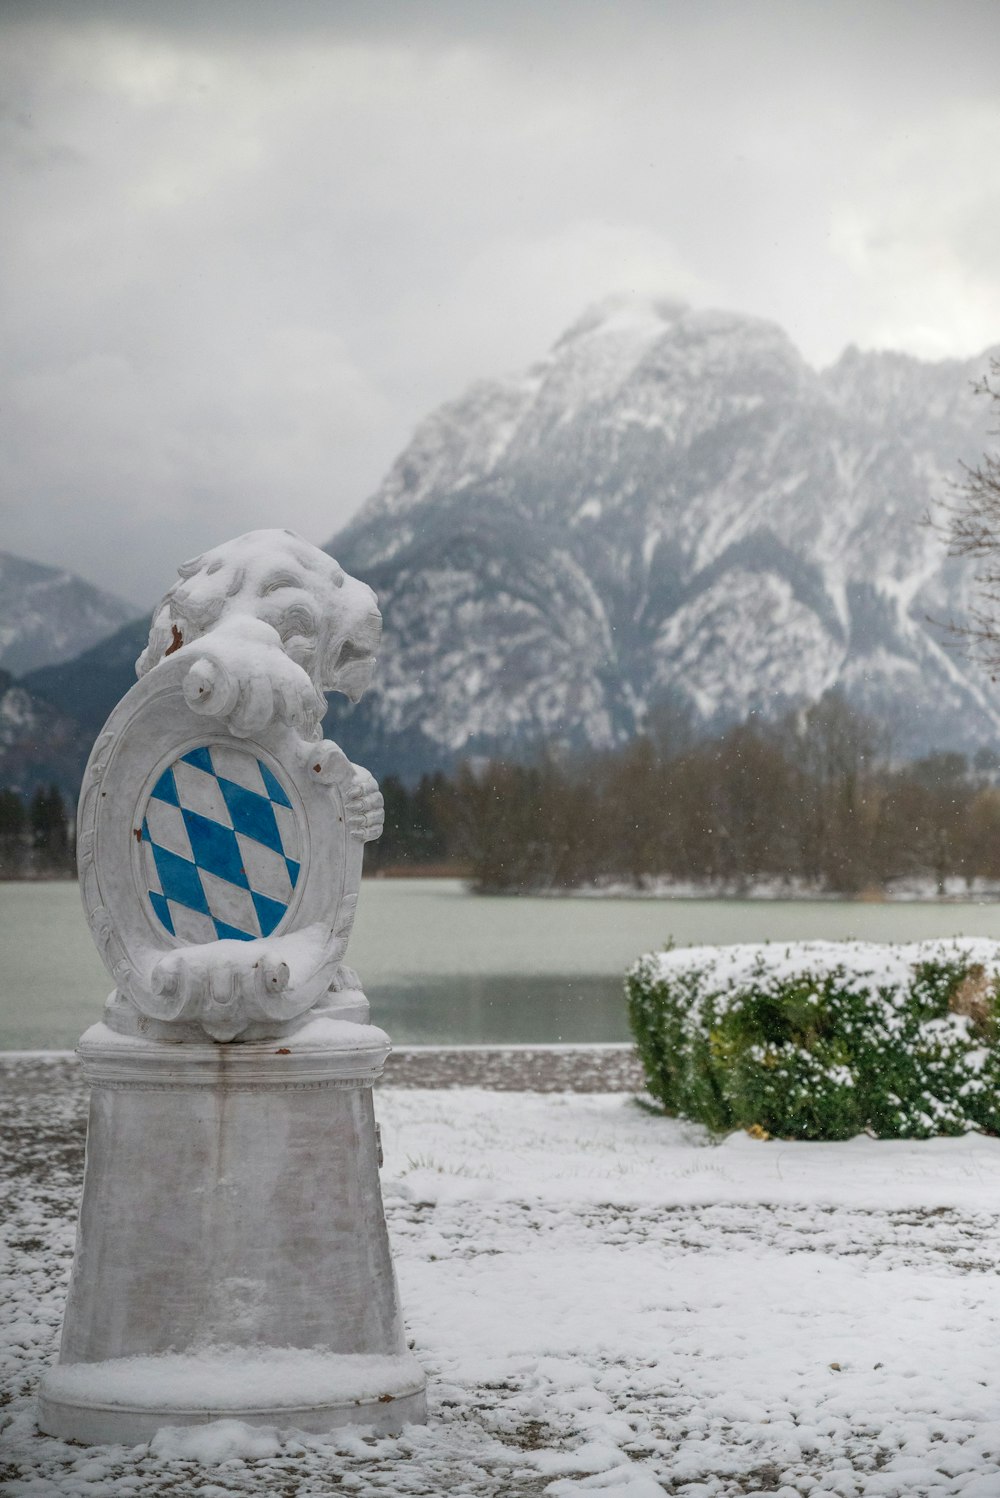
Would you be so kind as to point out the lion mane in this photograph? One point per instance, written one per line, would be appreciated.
(327, 622)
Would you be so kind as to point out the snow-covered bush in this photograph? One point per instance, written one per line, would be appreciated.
(822, 1040)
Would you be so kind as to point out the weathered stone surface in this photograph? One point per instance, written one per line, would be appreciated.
(232, 1255)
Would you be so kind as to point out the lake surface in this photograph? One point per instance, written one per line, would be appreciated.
(443, 966)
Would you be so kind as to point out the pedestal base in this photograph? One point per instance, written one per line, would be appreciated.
(125, 1401)
(232, 1258)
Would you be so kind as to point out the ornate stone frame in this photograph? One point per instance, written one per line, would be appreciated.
(228, 987)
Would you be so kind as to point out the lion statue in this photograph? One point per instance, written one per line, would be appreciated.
(263, 626)
(270, 623)
(268, 591)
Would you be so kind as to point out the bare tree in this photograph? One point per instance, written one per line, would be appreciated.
(971, 524)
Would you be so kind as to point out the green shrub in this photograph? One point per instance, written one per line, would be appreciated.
(823, 1040)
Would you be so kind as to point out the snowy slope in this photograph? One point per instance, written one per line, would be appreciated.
(672, 504)
(47, 615)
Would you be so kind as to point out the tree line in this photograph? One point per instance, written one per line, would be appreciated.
(813, 802)
(35, 835)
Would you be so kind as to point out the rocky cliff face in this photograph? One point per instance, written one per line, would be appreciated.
(671, 506)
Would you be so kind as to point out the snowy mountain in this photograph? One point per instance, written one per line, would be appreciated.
(47, 615)
(671, 506)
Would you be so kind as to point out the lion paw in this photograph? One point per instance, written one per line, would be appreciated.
(364, 808)
(246, 679)
(220, 976)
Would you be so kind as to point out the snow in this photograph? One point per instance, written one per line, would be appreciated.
(873, 963)
(907, 889)
(227, 1379)
(743, 639)
(220, 1441)
(785, 504)
(607, 1302)
(317, 1034)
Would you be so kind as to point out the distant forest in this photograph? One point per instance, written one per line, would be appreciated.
(814, 801)
(35, 836)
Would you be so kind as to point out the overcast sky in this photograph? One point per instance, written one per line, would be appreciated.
(246, 247)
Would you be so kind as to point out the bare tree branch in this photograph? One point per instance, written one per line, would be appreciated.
(970, 524)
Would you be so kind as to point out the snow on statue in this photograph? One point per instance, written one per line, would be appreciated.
(249, 639)
(286, 622)
(232, 1254)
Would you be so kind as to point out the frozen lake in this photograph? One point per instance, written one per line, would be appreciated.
(443, 966)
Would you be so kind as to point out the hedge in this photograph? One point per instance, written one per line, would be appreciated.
(823, 1040)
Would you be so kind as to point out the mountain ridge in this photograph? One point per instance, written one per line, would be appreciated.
(48, 614)
(669, 508)
(711, 518)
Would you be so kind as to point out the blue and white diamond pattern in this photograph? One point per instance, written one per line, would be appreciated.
(221, 846)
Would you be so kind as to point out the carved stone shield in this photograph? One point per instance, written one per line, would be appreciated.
(193, 838)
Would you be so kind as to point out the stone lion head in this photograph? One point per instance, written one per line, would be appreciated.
(328, 622)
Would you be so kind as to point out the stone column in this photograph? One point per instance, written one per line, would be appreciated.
(232, 1258)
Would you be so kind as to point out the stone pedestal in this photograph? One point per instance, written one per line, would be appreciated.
(232, 1256)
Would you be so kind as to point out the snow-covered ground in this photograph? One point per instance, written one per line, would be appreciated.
(910, 890)
(606, 1303)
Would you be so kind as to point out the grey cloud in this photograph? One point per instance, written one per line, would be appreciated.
(251, 245)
